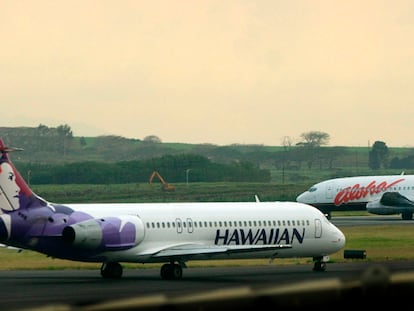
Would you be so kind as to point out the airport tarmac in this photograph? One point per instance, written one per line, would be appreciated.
(143, 289)
(240, 287)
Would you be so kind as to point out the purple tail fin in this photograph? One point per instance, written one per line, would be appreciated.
(14, 191)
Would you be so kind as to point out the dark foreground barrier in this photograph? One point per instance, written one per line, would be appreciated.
(355, 253)
(377, 287)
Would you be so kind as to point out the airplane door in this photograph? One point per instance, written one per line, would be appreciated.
(179, 225)
(318, 228)
(190, 227)
(330, 189)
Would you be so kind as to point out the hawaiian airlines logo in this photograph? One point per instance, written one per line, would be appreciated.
(259, 236)
(357, 192)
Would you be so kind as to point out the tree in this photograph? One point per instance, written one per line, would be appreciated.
(42, 130)
(64, 131)
(314, 139)
(286, 143)
(378, 156)
(152, 139)
(65, 134)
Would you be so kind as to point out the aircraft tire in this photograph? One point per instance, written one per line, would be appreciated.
(170, 271)
(111, 270)
(177, 272)
(319, 266)
(164, 271)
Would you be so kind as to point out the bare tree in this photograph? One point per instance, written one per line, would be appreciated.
(286, 142)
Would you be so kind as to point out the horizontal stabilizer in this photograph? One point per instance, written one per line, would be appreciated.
(9, 149)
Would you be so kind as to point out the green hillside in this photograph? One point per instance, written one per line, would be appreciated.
(293, 164)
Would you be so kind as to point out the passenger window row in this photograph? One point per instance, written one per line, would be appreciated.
(219, 224)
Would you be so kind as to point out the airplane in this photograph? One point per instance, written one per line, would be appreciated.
(167, 233)
(380, 195)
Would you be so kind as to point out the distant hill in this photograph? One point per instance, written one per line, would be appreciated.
(48, 145)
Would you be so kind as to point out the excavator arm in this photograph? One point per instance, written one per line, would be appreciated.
(165, 186)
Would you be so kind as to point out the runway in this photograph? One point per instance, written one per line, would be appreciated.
(371, 220)
(209, 288)
(86, 290)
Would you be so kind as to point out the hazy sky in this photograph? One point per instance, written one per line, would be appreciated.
(220, 72)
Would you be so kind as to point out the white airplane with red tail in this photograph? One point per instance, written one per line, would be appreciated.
(380, 195)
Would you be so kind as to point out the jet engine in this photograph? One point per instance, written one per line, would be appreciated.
(392, 203)
(110, 233)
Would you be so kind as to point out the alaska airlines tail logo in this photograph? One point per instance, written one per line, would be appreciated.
(357, 192)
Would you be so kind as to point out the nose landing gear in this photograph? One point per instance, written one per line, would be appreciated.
(320, 263)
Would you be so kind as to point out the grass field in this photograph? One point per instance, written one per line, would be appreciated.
(381, 243)
(191, 192)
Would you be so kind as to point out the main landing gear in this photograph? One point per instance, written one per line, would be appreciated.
(111, 270)
(171, 271)
(320, 263)
(407, 215)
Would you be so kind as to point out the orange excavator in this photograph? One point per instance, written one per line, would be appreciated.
(165, 186)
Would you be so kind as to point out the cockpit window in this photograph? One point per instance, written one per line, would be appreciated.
(312, 189)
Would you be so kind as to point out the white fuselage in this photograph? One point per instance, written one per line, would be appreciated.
(167, 225)
(356, 193)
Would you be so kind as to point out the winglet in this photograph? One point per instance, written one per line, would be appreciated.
(256, 198)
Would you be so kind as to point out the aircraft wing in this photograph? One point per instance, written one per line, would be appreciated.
(190, 250)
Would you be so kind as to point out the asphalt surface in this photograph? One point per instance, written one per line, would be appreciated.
(353, 284)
